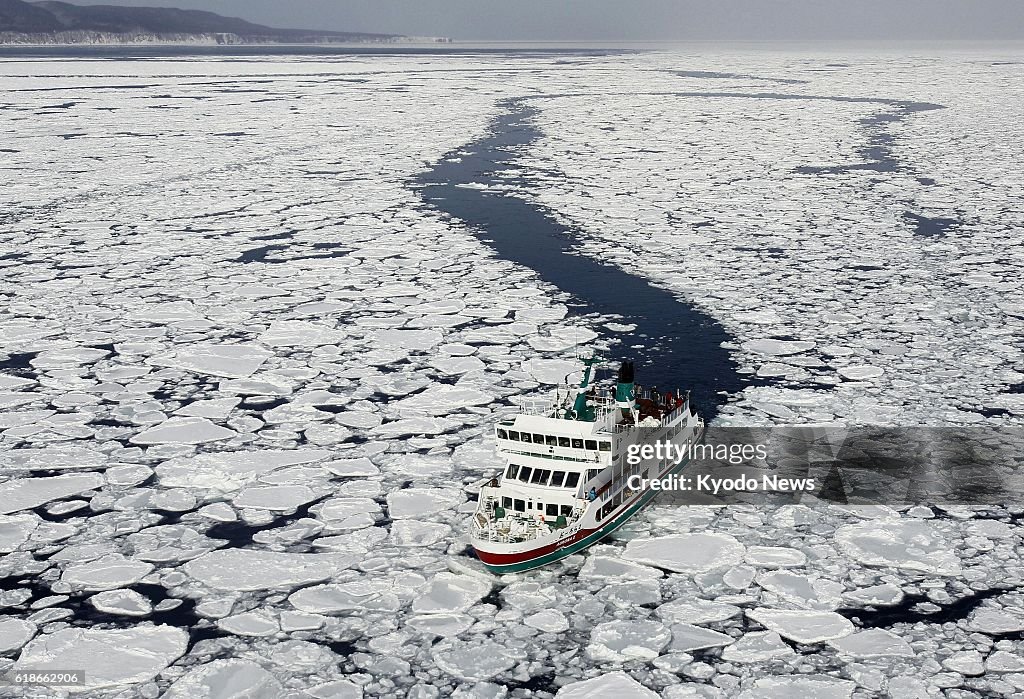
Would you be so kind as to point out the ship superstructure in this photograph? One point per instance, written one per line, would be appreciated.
(564, 482)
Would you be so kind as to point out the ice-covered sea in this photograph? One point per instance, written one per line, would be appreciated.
(249, 364)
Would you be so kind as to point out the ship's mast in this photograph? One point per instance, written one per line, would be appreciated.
(580, 410)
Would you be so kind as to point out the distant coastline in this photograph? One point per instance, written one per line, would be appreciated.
(94, 38)
(58, 23)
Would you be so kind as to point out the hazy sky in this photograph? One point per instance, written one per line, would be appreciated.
(633, 19)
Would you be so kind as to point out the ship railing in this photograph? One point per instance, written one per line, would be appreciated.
(545, 407)
(666, 420)
(537, 406)
(514, 527)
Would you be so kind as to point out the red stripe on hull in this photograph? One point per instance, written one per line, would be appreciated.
(503, 559)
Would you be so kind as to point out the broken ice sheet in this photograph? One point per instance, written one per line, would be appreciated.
(25, 493)
(56, 458)
(690, 553)
(907, 544)
(803, 626)
(184, 430)
(448, 593)
(106, 573)
(620, 641)
(247, 569)
(239, 677)
(114, 657)
(230, 361)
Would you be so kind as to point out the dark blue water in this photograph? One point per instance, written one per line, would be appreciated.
(931, 227)
(682, 347)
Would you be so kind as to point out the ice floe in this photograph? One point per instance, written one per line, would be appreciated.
(820, 687)
(686, 553)
(620, 641)
(996, 620)
(609, 568)
(418, 502)
(872, 643)
(229, 361)
(213, 409)
(25, 493)
(611, 685)
(757, 647)
(226, 679)
(108, 658)
(687, 637)
(777, 348)
(278, 498)
(14, 633)
(409, 532)
(441, 624)
(121, 602)
(368, 595)
(549, 620)
(803, 626)
(228, 471)
(247, 569)
(250, 624)
(696, 611)
(299, 333)
(802, 591)
(447, 593)
(471, 661)
(14, 531)
(53, 459)
(775, 557)
(905, 544)
(106, 573)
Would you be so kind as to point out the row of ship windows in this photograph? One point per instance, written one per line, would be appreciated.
(553, 441)
(517, 505)
(542, 476)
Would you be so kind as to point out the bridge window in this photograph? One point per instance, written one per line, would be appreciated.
(540, 476)
(556, 479)
(591, 445)
(513, 469)
(577, 444)
(551, 440)
(551, 510)
(572, 480)
(563, 442)
(513, 435)
(538, 439)
(606, 446)
(502, 434)
(518, 505)
(524, 473)
(525, 436)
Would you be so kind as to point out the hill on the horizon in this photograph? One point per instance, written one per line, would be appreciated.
(51, 17)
